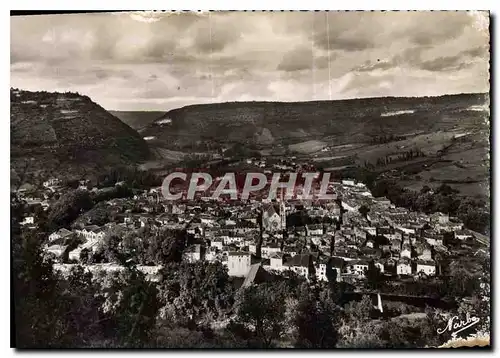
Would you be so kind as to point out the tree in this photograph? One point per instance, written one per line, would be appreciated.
(118, 191)
(262, 307)
(425, 202)
(359, 311)
(110, 249)
(69, 207)
(373, 276)
(479, 304)
(430, 325)
(331, 273)
(200, 290)
(366, 335)
(85, 256)
(364, 210)
(357, 329)
(172, 246)
(35, 292)
(398, 334)
(51, 311)
(474, 214)
(425, 189)
(445, 189)
(135, 308)
(83, 312)
(315, 323)
(446, 203)
(98, 215)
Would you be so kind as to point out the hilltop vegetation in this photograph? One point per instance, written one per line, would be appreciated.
(68, 133)
(334, 122)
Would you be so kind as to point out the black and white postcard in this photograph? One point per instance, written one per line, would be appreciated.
(250, 180)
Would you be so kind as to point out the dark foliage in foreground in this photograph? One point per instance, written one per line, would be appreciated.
(196, 305)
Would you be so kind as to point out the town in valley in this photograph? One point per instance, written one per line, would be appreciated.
(250, 180)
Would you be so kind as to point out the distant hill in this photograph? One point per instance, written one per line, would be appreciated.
(270, 124)
(137, 119)
(420, 141)
(68, 133)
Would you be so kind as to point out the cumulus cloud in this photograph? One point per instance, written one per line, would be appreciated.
(160, 61)
(446, 63)
(297, 60)
(379, 65)
(437, 27)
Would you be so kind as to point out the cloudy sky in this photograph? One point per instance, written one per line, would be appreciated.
(132, 61)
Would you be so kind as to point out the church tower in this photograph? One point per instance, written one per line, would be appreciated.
(282, 211)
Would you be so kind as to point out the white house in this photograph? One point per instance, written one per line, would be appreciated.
(326, 263)
(360, 234)
(56, 250)
(178, 209)
(406, 251)
(462, 235)
(269, 249)
(91, 232)
(300, 264)
(207, 220)
(358, 267)
(228, 240)
(313, 230)
(218, 243)
(252, 248)
(276, 262)
(28, 220)
(91, 244)
(450, 226)
(239, 263)
(406, 230)
(321, 271)
(440, 218)
(75, 254)
(61, 233)
(428, 267)
(404, 267)
(348, 182)
(426, 254)
(434, 240)
(396, 236)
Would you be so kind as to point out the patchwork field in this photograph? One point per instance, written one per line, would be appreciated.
(420, 141)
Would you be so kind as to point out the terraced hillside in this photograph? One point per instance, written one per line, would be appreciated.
(68, 133)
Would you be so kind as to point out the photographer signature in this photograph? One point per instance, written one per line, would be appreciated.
(456, 325)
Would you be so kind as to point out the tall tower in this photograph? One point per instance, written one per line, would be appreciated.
(282, 211)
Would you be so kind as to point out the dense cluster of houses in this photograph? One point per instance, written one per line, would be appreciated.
(341, 243)
(329, 240)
